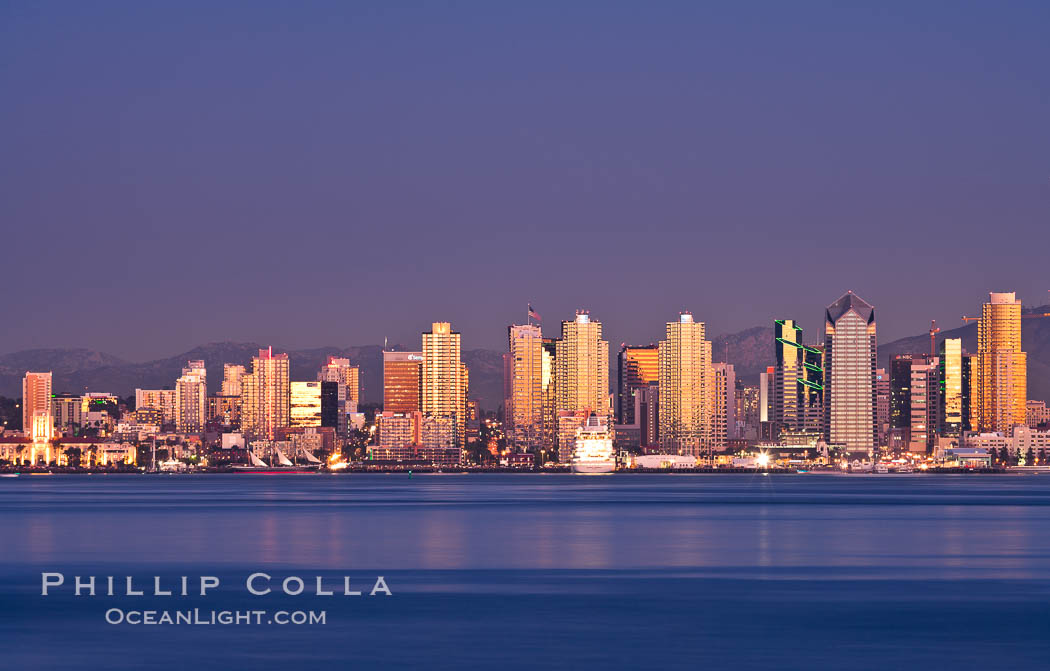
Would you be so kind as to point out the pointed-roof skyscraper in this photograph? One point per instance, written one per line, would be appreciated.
(851, 353)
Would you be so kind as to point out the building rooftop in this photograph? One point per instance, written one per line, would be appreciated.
(850, 301)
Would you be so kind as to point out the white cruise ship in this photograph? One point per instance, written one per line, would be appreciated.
(594, 448)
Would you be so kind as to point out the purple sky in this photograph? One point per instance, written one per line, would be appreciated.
(332, 173)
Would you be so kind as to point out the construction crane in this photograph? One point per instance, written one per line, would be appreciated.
(1030, 315)
(934, 330)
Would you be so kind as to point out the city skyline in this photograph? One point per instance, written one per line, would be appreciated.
(681, 146)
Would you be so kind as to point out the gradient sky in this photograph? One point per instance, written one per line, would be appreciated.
(318, 173)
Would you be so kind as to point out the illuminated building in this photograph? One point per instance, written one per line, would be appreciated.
(882, 406)
(444, 388)
(796, 382)
(304, 404)
(725, 405)
(999, 383)
(524, 401)
(850, 352)
(38, 423)
(157, 399)
(441, 432)
(398, 429)
(66, 409)
(548, 388)
(338, 369)
(191, 398)
(637, 367)
(581, 364)
(402, 379)
(265, 398)
(1036, 414)
(232, 375)
(915, 400)
(953, 388)
(473, 420)
(37, 420)
(224, 409)
(687, 389)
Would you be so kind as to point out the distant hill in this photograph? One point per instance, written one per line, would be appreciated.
(749, 350)
(1035, 340)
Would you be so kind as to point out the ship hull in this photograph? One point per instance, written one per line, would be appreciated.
(593, 467)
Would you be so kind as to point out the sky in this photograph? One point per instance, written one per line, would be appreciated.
(336, 173)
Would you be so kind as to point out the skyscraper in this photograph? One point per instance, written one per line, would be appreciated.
(882, 406)
(402, 381)
(725, 404)
(999, 385)
(637, 367)
(915, 400)
(444, 388)
(687, 389)
(953, 388)
(581, 363)
(850, 353)
(524, 403)
(265, 401)
(191, 392)
(338, 369)
(37, 420)
(796, 393)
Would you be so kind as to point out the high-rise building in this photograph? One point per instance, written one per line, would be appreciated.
(581, 374)
(725, 405)
(882, 406)
(38, 423)
(232, 374)
(637, 367)
(402, 381)
(304, 404)
(915, 400)
(850, 354)
(67, 413)
(549, 389)
(157, 399)
(524, 402)
(338, 369)
(265, 401)
(445, 382)
(687, 389)
(796, 387)
(647, 412)
(999, 384)
(953, 388)
(191, 393)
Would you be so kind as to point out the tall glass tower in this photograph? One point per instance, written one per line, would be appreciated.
(850, 351)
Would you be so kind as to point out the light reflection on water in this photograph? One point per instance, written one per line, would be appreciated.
(941, 526)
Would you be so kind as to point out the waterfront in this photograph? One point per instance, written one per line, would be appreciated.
(728, 571)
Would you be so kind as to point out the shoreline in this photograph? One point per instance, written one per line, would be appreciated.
(433, 470)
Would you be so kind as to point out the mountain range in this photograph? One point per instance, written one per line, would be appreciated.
(750, 350)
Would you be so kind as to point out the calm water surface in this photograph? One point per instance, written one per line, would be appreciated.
(521, 571)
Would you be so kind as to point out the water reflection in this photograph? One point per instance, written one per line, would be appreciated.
(933, 526)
